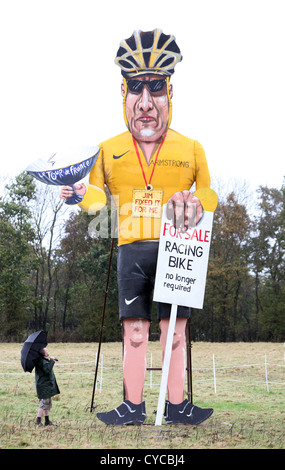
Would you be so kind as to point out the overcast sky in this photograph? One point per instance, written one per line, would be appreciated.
(60, 85)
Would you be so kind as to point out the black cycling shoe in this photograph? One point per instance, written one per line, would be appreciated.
(126, 413)
(185, 413)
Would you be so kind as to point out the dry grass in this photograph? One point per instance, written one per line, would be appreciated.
(246, 415)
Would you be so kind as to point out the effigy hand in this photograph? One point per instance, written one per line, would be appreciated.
(184, 209)
(73, 194)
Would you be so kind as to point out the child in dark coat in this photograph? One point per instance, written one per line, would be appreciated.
(46, 385)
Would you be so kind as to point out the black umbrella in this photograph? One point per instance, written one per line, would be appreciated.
(30, 349)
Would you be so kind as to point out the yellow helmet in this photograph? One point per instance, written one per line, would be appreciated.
(148, 52)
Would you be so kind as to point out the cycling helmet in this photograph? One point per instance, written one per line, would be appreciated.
(148, 52)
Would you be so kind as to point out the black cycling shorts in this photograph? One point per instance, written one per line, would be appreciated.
(136, 277)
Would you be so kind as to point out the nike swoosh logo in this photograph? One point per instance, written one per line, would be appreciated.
(129, 409)
(119, 156)
(128, 302)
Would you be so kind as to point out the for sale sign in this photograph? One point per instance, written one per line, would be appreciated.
(183, 262)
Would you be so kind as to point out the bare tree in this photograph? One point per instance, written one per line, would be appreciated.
(48, 216)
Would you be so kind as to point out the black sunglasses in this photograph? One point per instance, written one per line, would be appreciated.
(136, 86)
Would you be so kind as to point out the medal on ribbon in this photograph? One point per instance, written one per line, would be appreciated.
(147, 202)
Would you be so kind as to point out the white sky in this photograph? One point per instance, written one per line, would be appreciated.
(60, 85)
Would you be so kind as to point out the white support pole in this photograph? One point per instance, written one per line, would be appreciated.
(214, 370)
(96, 380)
(165, 367)
(266, 375)
(101, 378)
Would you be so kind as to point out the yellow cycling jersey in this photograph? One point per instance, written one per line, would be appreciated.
(180, 163)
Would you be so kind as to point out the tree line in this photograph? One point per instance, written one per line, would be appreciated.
(53, 269)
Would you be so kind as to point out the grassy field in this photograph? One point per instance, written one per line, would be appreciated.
(247, 414)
